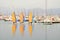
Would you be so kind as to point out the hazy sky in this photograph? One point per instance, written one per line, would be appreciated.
(29, 3)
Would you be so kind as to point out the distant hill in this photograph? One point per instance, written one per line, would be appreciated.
(36, 11)
(54, 11)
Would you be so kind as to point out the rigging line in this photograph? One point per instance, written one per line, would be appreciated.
(45, 15)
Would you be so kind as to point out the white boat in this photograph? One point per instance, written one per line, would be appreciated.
(7, 18)
(1, 17)
(57, 19)
(26, 18)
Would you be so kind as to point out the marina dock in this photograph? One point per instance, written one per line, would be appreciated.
(40, 19)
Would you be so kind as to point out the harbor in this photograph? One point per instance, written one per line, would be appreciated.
(36, 19)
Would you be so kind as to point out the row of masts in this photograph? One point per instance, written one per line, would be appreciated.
(30, 18)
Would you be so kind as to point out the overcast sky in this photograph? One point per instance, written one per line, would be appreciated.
(29, 3)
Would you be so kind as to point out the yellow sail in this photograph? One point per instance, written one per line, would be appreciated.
(21, 29)
(13, 17)
(21, 17)
(14, 28)
(30, 17)
(30, 29)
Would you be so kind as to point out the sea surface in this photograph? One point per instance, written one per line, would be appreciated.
(40, 31)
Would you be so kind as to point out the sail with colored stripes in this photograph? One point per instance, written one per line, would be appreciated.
(30, 17)
(13, 17)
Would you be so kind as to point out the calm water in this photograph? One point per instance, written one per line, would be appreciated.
(40, 32)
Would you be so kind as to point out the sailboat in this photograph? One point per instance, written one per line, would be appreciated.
(30, 17)
(13, 17)
(21, 17)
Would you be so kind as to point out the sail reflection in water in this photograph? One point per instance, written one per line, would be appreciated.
(30, 28)
(14, 28)
(21, 28)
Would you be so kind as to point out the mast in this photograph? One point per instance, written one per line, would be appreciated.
(46, 7)
(45, 15)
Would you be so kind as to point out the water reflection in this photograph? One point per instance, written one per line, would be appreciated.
(30, 28)
(21, 28)
(14, 28)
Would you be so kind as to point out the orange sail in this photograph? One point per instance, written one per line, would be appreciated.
(22, 29)
(13, 17)
(30, 17)
(14, 28)
(30, 29)
(21, 17)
